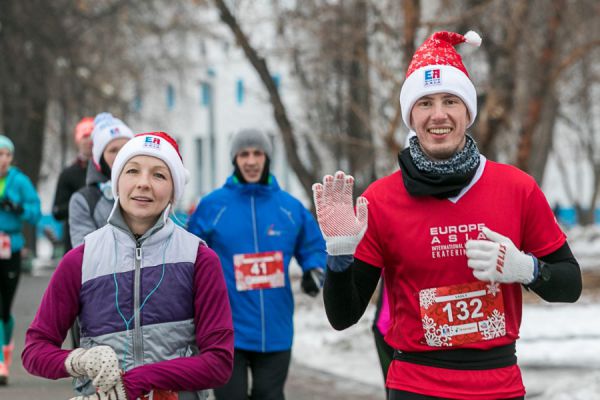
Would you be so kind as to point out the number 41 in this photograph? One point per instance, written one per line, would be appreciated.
(259, 268)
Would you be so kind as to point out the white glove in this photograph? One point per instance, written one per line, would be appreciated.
(341, 228)
(99, 363)
(116, 393)
(499, 260)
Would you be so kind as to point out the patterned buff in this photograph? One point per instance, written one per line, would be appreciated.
(442, 179)
(460, 163)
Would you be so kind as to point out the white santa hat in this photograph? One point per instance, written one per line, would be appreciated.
(106, 129)
(436, 67)
(154, 144)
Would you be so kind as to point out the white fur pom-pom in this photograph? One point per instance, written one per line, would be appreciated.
(473, 38)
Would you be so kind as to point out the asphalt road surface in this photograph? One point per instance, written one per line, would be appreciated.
(303, 383)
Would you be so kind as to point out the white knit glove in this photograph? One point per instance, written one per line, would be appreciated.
(499, 260)
(99, 363)
(341, 228)
(116, 393)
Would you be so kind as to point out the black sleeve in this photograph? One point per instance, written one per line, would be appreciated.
(60, 209)
(559, 277)
(347, 294)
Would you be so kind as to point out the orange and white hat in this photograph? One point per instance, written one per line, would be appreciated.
(436, 67)
(83, 128)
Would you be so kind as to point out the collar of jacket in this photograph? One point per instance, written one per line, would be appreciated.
(92, 175)
(10, 175)
(116, 219)
(252, 188)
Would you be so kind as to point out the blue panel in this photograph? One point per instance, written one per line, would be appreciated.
(170, 97)
(276, 80)
(240, 91)
(566, 216)
(205, 94)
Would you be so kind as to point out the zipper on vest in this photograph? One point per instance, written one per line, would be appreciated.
(137, 331)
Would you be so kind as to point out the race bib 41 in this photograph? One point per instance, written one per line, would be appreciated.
(259, 270)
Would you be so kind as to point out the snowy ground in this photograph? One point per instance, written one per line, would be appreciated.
(559, 349)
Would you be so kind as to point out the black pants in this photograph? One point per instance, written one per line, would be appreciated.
(402, 395)
(10, 272)
(269, 372)
(384, 351)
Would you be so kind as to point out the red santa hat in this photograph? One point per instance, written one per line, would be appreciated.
(436, 67)
(154, 144)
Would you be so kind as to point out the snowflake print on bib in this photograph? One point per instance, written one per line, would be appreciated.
(461, 314)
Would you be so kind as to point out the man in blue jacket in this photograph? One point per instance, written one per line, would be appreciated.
(256, 228)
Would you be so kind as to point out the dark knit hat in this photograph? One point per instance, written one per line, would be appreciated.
(250, 138)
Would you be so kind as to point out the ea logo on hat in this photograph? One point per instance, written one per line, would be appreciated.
(433, 77)
(152, 142)
(115, 131)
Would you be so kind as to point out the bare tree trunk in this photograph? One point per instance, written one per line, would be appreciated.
(543, 137)
(542, 88)
(24, 122)
(306, 177)
(498, 105)
(412, 19)
(360, 149)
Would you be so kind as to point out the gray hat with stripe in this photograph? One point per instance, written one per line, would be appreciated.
(250, 138)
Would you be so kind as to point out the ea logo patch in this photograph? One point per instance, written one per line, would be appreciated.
(433, 77)
(152, 142)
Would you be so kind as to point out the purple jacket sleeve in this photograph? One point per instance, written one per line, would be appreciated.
(42, 355)
(214, 336)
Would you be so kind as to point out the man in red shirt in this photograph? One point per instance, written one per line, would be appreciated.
(455, 235)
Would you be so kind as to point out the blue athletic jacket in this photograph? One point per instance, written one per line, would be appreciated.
(252, 218)
(19, 190)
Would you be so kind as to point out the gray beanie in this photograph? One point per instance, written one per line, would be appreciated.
(250, 138)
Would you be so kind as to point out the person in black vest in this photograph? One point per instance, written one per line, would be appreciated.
(90, 206)
(72, 178)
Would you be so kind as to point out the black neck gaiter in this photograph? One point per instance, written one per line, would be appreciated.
(441, 179)
(104, 168)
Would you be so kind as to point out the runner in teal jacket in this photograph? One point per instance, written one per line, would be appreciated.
(19, 203)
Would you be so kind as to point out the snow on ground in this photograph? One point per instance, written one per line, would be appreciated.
(585, 244)
(559, 349)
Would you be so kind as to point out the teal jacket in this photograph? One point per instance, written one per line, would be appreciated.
(19, 190)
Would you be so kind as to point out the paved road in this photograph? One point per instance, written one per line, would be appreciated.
(303, 384)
